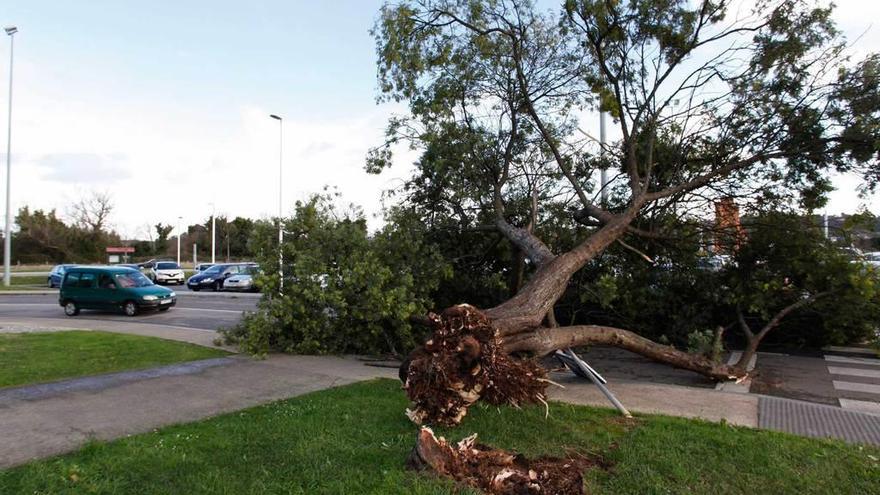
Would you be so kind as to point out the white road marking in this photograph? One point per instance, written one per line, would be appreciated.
(854, 372)
(857, 387)
(238, 312)
(851, 350)
(860, 405)
(852, 360)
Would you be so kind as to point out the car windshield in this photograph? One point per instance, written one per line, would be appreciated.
(133, 279)
(167, 266)
(214, 269)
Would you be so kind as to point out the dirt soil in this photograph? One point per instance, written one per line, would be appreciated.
(463, 362)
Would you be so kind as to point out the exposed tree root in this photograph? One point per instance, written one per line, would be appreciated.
(497, 471)
(463, 362)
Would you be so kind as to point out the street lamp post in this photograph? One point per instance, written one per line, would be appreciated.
(280, 210)
(178, 240)
(7, 232)
(213, 232)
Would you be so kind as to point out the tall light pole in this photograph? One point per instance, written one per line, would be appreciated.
(213, 232)
(603, 178)
(280, 209)
(7, 232)
(178, 240)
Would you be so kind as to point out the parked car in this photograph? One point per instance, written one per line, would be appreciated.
(204, 266)
(169, 272)
(112, 288)
(872, 258)
(213, 278)
(57, 275)
(244, 281)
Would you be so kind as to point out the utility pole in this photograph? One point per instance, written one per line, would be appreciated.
(280, 209)
(7, 232)
(213, 232)
(178, 240)
(604, 174)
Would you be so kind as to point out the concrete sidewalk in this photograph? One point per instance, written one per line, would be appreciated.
(656, 398)
(196, 336)
(55, 423)
(753, 410)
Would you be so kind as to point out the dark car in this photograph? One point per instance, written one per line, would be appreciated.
(112, 288)
(203, 266)
(214, 277)
(57, 275)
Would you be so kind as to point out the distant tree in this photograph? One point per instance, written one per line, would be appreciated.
(92, 211)
(162, 233)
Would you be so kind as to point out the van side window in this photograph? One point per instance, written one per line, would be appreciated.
(87, 281)
(106, 282)
(71, 280)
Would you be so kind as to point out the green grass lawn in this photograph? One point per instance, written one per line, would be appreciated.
(354, 439)
(27, 358)
(26, 282)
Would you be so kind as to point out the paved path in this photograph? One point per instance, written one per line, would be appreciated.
(657, 398)
(54, 423)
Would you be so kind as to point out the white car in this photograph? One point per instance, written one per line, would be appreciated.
(873, 259)
(169, 272)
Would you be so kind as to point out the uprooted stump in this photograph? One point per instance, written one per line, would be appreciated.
(497, 471)
(463, 362)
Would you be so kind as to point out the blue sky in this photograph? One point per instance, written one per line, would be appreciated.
(152, 101)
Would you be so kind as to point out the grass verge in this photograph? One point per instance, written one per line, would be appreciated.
(29, 358)
(25, 282)
(354, 439)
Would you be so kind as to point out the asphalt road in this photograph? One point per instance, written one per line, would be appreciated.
(212, 311)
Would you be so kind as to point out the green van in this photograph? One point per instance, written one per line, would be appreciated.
(111, 288)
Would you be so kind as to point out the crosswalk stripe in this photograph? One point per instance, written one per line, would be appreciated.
(860, 405)
(851, 350)
(834, 370)
(856, 387)
(852, 360)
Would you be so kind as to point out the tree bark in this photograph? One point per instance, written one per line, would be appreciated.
(547, 340)
(526, 310)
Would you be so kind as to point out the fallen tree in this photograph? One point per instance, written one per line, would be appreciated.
(758, 107)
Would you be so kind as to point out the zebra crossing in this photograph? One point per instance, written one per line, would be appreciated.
(855, 375)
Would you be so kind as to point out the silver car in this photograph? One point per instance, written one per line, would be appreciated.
(169, 272)
(243, 281)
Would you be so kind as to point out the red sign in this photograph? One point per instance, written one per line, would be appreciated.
(124, 250)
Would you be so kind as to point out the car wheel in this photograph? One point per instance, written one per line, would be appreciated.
(49, 283)
(217, 286)
(70, 308)
(194, 289)
(130, 308)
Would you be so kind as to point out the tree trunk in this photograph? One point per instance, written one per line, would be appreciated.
(546, 340)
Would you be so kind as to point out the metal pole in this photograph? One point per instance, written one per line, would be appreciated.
(604, 176)
(280, 208)
(597, 380)
(7, 232)
(178, 240)
(195, 254)
(213, 232)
